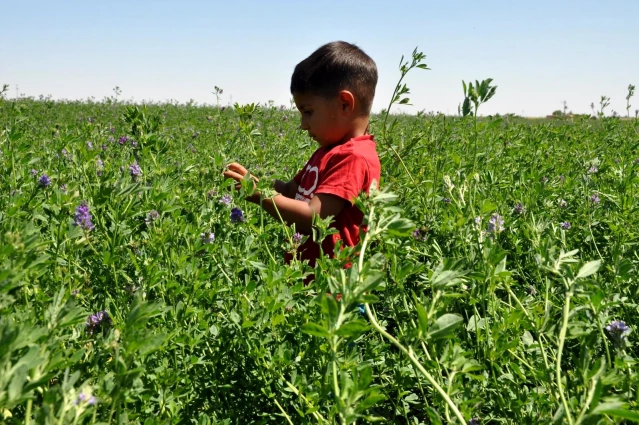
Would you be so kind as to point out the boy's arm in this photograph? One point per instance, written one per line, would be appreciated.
(288, 189)
(300, 212)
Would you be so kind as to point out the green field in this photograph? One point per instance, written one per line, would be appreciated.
(500, 259)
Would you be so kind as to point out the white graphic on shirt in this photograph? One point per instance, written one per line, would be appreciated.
(304, 193)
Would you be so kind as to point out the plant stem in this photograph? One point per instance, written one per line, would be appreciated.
(560, 347)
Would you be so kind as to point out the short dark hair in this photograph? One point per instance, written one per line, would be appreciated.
(337, 66)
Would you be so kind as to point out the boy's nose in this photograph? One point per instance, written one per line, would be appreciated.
(303, 124)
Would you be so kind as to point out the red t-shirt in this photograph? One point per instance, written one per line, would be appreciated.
(342, 170)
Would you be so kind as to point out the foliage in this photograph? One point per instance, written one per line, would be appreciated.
(491, 283)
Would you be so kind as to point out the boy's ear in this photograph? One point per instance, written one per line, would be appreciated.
(346, 101)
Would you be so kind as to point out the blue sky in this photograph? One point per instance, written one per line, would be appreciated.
(538, 53)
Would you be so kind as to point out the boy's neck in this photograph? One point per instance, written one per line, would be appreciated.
(358, 128)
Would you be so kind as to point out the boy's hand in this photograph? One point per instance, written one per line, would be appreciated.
(237, 172)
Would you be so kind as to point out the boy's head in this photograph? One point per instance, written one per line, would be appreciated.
(334, 89)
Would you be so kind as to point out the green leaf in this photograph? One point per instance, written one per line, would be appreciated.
(589, 268)
(401, 227)
(615, 408)
(445, 325)
(352, 329)
(315, 330)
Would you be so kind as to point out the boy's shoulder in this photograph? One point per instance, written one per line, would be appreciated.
(361, 146)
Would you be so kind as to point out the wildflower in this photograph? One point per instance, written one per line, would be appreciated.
(83, 398)
(66, 154)
(44, 181)
(519, 208)
(297, 238)
(112, 129)
(448, 184)
(135, 170)
(110, 139)
(478, 220)
(75, 292)
(563, 203)
(473, 421)
(134, 144)
(34, 172)
(82, 217)
(97, 320)
(104, 147)
(211, 193)
(617, 331)
(195, 134)
(237, 215)
(562, 178)
(226, 200)
(89, 145)
(207, 237)
(152, 216)
(191, 148)
(593, 170)
(595, 199)
(544, 180)
(446, 200)
(416, 233)
(495, 224)
(99, 163)
(63, 188)
(531, 290)
(122, 140)
(565, 225)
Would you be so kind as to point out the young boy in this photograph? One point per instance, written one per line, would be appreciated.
(333, 90)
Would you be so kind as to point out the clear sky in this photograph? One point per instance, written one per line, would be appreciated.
(539, 53)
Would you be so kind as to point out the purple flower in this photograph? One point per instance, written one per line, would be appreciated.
(495, 224)
(152, 216)
(89, 145)
(44, 181)
(519, 208)
(593, 170)
(63, 188)
(211, 193)
(92, 401)
(297, 238)
(104, 147)
(122, 140)
(566, 225)
(110, 139)
(75, 292)
(135, 170)
(66, 154)
(226, 200)
(595, 199)
(617, 331)
(563, 203)
(112, 129)
(82, 217)
(237, 215)
(99, 163)
(97, 320)
(544, 179)
(134, 144)
(207, 237)
(34, 172)
(478, 221)
(416, 233)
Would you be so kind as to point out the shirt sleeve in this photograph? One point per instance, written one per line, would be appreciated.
(345, 175)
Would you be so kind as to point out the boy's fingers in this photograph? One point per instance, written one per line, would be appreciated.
(233, 175)
(234, 166)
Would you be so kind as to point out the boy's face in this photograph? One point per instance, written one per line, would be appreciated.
(325, 120)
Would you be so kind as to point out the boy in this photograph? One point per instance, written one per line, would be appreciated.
(333, 90)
